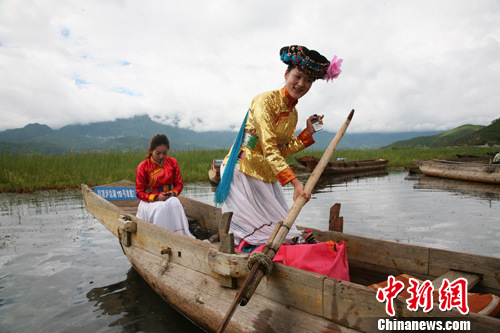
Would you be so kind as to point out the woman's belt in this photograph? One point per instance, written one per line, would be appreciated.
(164, 188)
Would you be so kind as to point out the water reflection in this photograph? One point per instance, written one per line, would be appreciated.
(138, 308)
(326, 183)
(475, 189)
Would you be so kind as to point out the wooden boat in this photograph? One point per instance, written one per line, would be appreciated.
(201, 278)
(214, 172)
(343, 166)
(454, 169)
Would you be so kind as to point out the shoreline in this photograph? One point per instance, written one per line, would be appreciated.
(71, 187)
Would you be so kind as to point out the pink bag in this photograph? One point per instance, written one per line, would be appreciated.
(327, 258)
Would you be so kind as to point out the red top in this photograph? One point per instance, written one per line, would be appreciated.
(152, 179)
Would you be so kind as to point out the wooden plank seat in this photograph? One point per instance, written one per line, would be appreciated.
(452, 275)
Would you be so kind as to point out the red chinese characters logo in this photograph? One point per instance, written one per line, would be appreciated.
(420, 295)
(389, 293)
(454, 295)
(451, 295)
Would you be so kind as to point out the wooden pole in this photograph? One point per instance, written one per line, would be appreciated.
(281, 231)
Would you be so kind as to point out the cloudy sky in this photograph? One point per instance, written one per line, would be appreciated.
(408, 65)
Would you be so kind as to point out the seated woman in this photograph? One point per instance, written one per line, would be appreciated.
(158, 182)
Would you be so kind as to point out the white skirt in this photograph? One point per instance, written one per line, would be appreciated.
(257, 207)
(168, 214)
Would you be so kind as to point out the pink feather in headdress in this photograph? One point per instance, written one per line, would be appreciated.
(333, 70)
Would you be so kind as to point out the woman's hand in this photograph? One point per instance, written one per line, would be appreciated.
(164, 196)
(298, 189)
(309, 126)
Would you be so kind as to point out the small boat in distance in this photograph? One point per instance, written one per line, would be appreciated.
(214, 172)
(456, 169)
(344, 166)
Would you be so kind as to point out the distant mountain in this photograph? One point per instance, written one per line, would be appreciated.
(144, 128)
(364, 140)
(465, 135)
(8, 148)
(67, 140)
(437, 140)
(133, 134)
(130, 134)
(24, 134)
(126, 143)
(489, 135)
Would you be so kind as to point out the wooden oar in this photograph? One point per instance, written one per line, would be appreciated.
(281, 230)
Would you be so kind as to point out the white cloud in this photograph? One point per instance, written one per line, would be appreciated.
(408, 65)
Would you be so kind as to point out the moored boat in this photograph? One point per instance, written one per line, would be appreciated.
(344, 166)
(201, 278)
(455, 169)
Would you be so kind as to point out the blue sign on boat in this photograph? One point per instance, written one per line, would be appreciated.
(116, 193)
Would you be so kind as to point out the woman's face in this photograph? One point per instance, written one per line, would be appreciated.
(297, 83)
(160, 153)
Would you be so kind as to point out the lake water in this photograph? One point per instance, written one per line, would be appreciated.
(62, 271)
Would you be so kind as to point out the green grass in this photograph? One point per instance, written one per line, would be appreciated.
(33, 173)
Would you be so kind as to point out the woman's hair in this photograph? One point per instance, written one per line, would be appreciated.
(292, 66)
(157, 140)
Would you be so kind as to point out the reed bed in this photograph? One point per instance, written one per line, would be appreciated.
(34, 173)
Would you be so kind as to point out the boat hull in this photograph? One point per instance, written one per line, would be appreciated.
(344, 167)
(470, 171)
(190, 274)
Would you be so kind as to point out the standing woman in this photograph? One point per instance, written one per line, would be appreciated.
(158, 182)
(255, 170)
